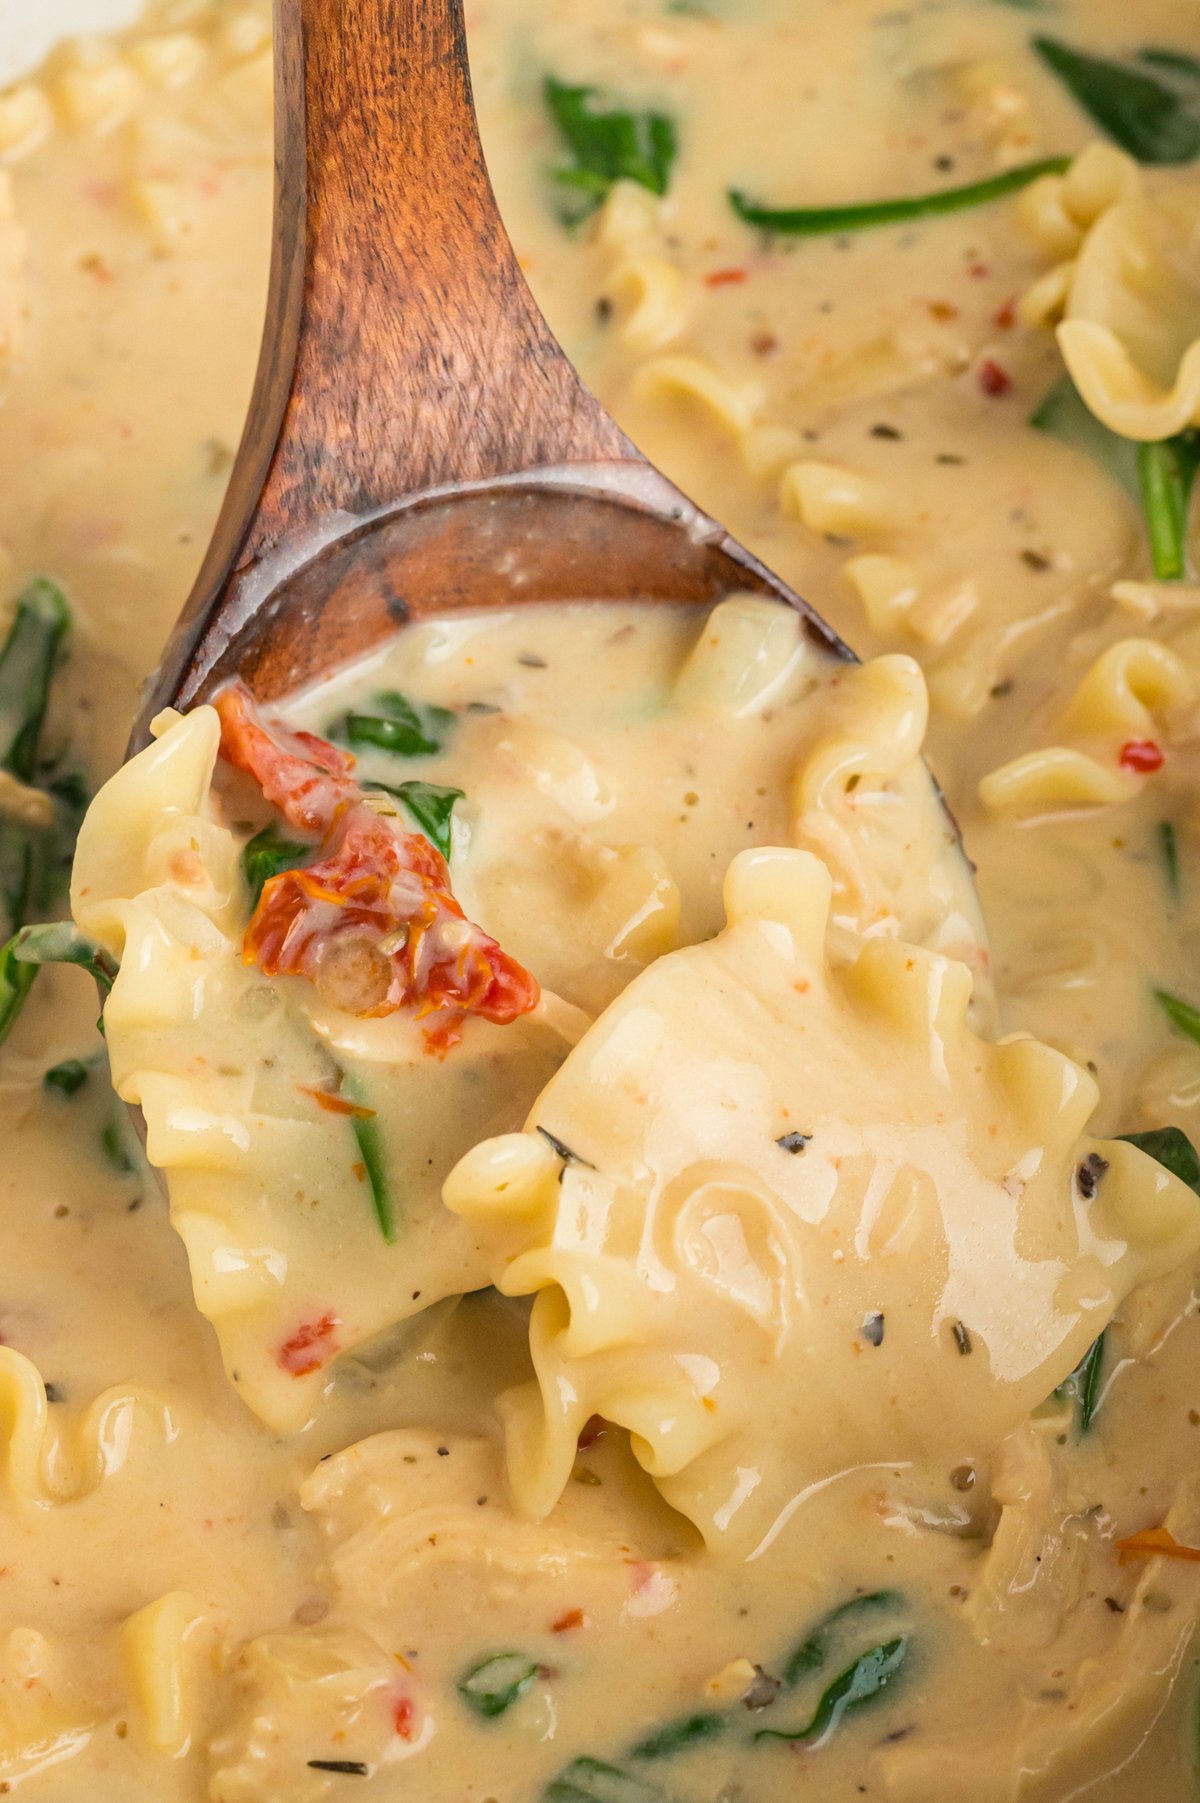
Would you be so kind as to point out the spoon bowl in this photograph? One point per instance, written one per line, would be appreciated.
(417, 441)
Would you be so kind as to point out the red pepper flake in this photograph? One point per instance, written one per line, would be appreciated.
(978, 270)
(574, 1618)
(725, 278)
(1005, 317)
(1142, 755)
(992, 379)
(335, 1104)
(311, 1346)
(1152, 1543)
(404, 1716)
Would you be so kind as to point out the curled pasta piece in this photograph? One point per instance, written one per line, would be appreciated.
(162, 1649)
(240, 1080)
(45, 1464)
(1130, 335)
(688, 378)
(752, 654)
(97, 90)
(886, 586)
(652, 297)
(1126, 289)
(26, 118)
(1057, 210)
(1131, 691)
(830, 498)
(850, 1119)
(629, 219)
(168, 59)
(1057, 776)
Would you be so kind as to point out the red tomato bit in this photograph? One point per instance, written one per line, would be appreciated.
(992, 379)
(372, 922)
(1142, 755)
(311, 1346)
(404, 1717)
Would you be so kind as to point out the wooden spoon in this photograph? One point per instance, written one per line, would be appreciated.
(416, 441)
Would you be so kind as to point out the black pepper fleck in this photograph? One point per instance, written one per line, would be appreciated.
(872, 1328)
(1088, 1176)
(793, 1142)
(962, 1338)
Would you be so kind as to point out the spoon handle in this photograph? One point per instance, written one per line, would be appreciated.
(402, 349)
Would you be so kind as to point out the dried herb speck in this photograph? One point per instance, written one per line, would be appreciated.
(1088, 1176)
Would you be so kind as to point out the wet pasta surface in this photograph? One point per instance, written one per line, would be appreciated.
(689, 1388)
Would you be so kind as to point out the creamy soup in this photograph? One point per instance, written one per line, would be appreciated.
(629, 1293)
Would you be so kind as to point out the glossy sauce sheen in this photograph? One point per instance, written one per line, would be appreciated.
(196, 1600)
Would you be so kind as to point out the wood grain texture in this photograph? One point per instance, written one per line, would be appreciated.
(408, 385)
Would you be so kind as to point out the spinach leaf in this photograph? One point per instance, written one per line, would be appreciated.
(68, 1078)
(495, 1685)
(810, 221)
(1167, 474)
(27, 664)
(813, 1650)
(607, 147)
(862, 1682)
(405, 728)
(1149, 106)
(268, 853)
(370, 1145)
(1064, 414)
(1084, 1383)
(677, 1736)
(114, 1143)
(1183, 1017)
(432, 807)
(1172, 1148)
(591, 1781)
(25, 953)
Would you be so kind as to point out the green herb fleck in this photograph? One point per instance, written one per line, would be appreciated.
(25, 953)
(405, 728)
(1084, 1383)
(1172, 1148)
(813, 1650)
(1167, 473)
(497, 1683)
(1183, 1017)
(266, 855)
(811, 221)
(371, 1150)
(68, 1078)
(861, 1682)
(1150, 105)
(114, 1142)
(432, 807)
(675, 1737)
(591, 1781)
(27, 663)
(1168, 846)
(607, 147)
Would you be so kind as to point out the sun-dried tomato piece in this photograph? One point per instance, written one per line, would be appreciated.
(372, 921)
